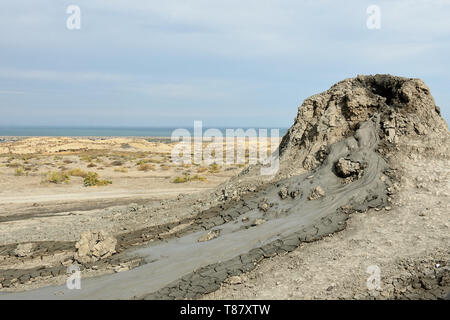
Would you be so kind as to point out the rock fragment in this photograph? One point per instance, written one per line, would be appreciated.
(345, 167)
(209, 236)
(23, 249)
(283, 192)
(258, 222)
(316, 193)
(94, 246)
(233, 280)
(294, 194)
(264, 206)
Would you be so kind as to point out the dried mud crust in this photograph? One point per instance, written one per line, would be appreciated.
(64, 251)
(210, 278)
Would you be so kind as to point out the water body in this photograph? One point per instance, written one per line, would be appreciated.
(106, 131)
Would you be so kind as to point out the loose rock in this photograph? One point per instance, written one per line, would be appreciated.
(94, 246)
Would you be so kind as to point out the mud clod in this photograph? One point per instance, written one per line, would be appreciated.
(284, 192)
(348, 169)
(317, 193)
(24, 249)
(212, 234)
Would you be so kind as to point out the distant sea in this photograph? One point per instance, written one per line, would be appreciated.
(103, 131)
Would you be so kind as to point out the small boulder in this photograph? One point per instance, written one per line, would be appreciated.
(23, 249)
(349, 170)
(94, 246)
(346, 168)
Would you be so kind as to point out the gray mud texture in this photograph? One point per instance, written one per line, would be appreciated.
(332, 164)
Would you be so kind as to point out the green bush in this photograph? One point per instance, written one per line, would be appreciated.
(92, 180)
(19, 172)
(57, 177)
(187, 178)
(214, 168)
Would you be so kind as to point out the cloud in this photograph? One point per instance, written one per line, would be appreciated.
(209, 56)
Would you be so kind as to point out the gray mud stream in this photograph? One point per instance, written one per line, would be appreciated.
(183, 267)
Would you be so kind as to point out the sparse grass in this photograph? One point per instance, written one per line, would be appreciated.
(77, 172)
(85, 158)
(202, 169)
(92, 180)
(146, 167)
(19, 172)
(164, 167)
(142, 161)
(187, 178)
(155, 161)
(56, 177)
(214, 168)
(181, 179)
(198, 178)
(123, 170)
(13, 165)
(91, 165)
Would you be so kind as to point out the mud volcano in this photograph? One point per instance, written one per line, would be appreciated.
(334, 161)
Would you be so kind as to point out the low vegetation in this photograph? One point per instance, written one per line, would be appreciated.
(188, 178)
(19, 172)
(56, 177)
(77, 172)
(214, 168)
(143, 166)
(92, 179)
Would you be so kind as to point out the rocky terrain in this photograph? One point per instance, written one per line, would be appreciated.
(363, 179)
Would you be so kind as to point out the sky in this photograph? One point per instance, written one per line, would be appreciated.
(228, 63)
